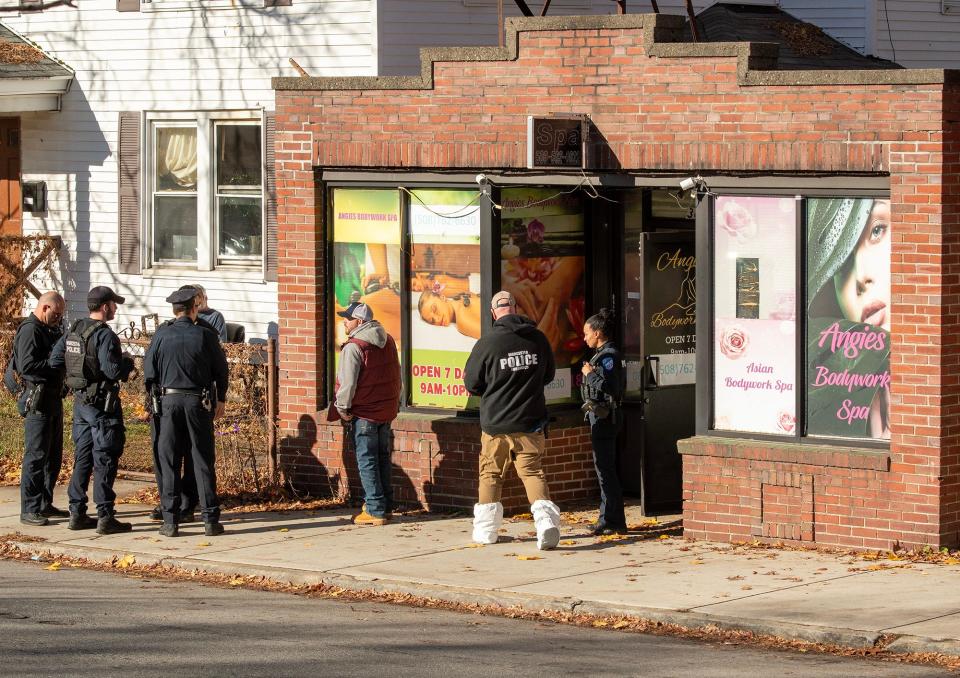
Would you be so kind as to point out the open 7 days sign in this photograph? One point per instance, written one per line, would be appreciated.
(557, 141)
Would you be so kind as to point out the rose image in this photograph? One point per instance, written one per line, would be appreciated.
(736, 220)
(734, 341)
(535, 231)
(786, 422)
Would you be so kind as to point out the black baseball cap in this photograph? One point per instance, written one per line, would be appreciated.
(101, 294)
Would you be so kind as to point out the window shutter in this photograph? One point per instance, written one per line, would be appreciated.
(270, 208)
(128, 208)
(128, 5)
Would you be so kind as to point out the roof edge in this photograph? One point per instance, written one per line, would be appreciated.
(662, 37)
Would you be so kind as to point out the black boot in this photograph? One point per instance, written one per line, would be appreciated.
(212, 529)
(169, 530)
(54, 512)
(156, 514)
(33, 519)
(81, 521)
(110, 525)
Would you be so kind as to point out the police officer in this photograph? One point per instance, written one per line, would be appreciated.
(186, 371)
(95, 366)
(602, 390)
(188, 486)
(41, 405)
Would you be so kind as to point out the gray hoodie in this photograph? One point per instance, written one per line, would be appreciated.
(351, 361)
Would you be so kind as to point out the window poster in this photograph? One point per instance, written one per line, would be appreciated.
(366, 256)
(848, 317)
(542, 264)
(755, 314)
(445, 306)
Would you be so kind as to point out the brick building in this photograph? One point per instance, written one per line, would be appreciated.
(821, 213)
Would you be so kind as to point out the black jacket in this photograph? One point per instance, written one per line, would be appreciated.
(32, 347)
(508, 368)
(187, 356)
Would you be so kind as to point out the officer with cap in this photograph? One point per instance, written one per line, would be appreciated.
(95, 366)
(186, 367)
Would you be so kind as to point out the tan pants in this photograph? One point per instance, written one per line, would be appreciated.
(499, 452)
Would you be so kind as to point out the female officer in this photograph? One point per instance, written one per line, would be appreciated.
(602, 390)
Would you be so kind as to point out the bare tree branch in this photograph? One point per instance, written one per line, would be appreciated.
(35, 5)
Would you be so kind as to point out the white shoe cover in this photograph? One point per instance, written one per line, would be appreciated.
(486, 522)
(546, 516)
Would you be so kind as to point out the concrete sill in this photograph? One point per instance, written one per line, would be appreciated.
(793, 453)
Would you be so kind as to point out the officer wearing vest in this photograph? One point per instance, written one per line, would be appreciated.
(602, 390)
(188, 485)
(187, 369)
(95, 366)
(41, 405)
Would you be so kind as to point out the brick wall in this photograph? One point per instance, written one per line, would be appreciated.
(661, 106)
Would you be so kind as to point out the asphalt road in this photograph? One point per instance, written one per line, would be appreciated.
(84, 623)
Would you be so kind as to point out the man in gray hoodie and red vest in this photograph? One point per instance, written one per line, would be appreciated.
(368, 399)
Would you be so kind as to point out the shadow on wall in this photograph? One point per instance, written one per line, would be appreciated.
(298, 463)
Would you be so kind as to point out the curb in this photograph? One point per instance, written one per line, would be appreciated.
(851, 638)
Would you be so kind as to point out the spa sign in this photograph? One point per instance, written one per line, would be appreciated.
(556, 141)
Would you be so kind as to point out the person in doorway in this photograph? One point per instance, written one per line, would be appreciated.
(602, 390)
(367, 400)
(95, 366)
(186, 368)
(40, 402)
(509, 368)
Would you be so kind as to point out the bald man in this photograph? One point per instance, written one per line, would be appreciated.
(41, 405)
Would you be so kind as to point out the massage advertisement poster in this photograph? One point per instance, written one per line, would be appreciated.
(755, 314)
(445, 304)
(542, 264)
(366, 256)
(848, 317)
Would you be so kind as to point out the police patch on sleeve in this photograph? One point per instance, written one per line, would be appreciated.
(607, 363)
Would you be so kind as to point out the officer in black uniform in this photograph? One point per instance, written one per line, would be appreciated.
(185, 370)
(95, 366)
(602, 390)
(41, 405)
(188, 486)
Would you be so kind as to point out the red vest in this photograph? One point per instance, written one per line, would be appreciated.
(377, 397)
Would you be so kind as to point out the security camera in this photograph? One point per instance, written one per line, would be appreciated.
(689, 183)
(482, 179)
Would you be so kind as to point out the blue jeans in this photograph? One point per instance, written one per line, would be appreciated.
(373, 447)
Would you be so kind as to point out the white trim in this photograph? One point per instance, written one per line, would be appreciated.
(25, 103)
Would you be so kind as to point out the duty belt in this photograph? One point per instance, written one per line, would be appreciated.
(183, 391)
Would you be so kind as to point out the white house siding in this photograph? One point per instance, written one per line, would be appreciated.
(922, 36)
(843, 20)
(221, 57)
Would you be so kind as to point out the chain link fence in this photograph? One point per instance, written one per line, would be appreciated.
(245, 437)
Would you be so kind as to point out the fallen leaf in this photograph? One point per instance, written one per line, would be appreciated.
(284, 529)
(696, 562)
(599, 623)
(473, 545)
(664, 536)
(746, 587)
(237, 581)
(621, 624)
(529, 558)
(568, 542)
(204, 543)
(54, 566)
(126, 561)
(735, 577)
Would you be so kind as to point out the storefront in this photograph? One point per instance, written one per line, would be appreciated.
(805, 397)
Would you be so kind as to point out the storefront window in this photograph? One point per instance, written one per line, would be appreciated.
(366, 256)
(445, 305)
(542, 264)
(755, 315)
(848, 317)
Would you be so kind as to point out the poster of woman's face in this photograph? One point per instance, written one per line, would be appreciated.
(848, 317)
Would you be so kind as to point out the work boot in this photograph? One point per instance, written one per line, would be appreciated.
(53, 512)
(212, 529)
(169, 530)
(81, 521)
(110, 525)
(365, 518)
(33, 519)
(187, 516)
(601, 529)
(156, 514)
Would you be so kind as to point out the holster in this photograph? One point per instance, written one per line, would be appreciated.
(33, 398)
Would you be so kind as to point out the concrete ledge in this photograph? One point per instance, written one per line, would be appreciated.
(788, 453)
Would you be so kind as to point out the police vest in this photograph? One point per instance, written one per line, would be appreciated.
(83, 365)
(617, 384)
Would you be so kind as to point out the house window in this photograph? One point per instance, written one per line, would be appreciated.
(206, 187)
(826, 373)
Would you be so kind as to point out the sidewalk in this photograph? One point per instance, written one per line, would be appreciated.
(842, 600)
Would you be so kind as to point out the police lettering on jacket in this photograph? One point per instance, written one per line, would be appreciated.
(518, 360)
